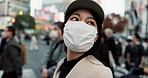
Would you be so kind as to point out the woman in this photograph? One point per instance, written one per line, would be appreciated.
(81, 35)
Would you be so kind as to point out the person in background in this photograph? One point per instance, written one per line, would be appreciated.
(106, 53)
(127, 50)
(2, 41)
(118, 51)
(33, 45)
(144, 69)
(110, 48)
(22, 37)
(110, 43)
(56, 51)
(11, 59)
(135, 55)
(47, 38)
(82, 37)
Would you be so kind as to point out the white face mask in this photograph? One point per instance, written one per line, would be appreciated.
(79, 36)
(4, 34)
(53, 34)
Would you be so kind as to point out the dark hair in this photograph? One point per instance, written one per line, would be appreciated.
(137, 36)
(129, 40)
(97, 50)
(59, 24)
(11, 29)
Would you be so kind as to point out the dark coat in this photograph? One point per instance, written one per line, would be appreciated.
(110, 46)
(58, 54)
(136, 54)
(3, 42)
(11, 59)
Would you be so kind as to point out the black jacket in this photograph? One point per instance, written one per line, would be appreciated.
(110, 46)
(3, 42)
(136, 53)
(11, 59)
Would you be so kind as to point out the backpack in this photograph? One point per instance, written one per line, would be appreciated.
(24, 53)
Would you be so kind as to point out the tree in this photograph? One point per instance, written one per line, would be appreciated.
(24, 21)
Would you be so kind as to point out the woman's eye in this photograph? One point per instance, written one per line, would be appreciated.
(74, 19)
(90, 23)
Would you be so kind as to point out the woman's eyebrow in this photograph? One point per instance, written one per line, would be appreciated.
(76, 14)
(90, 18)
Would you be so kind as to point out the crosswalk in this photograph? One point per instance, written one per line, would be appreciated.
(27, 73)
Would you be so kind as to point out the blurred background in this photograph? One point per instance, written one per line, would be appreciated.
(124, 17)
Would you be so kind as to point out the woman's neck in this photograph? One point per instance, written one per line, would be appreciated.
(71, 55)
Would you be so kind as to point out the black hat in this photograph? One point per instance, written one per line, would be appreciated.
(95, 9)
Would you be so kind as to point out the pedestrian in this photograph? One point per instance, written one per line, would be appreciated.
(33, 44)
(81, 35)
(110, 44)
(47, 39)
(135, 55)
(56, 51)
(105, 53)
(22, 37)
(127, 50)
(111, 49)
(118, 52)
(11, 59)
(2, 41)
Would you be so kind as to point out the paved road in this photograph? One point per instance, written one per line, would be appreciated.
(34, 57)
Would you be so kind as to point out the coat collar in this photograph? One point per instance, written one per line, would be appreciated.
(77, 68)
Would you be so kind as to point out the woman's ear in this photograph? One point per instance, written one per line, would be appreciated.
(96, 38)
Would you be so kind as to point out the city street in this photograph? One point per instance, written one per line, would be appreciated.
(111, 32)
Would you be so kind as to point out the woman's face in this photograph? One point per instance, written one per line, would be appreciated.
(58, 30)
(85, 16)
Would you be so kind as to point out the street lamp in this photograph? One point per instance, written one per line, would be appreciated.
(20, 12)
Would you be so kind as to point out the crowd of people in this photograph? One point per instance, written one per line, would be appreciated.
(89, 52)
(135, 53)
